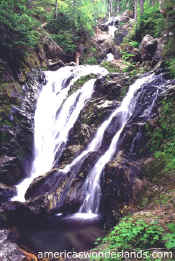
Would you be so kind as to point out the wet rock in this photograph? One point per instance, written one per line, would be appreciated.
(106, 46)
(116, 52)
(159, 51)
(9, 251)
(110, 86)
(124, 18)
(58, 191)
(119, 36)
(55, 64)
(6, 192)
(103, 27)
(11, 170)
(148, 47)
(104, 101)
(119, 186)
(16, 130)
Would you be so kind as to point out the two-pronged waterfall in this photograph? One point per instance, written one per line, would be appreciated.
(58, 110)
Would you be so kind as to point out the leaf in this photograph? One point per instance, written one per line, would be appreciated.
(170, 244)
(171, 227)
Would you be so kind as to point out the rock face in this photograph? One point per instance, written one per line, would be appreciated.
(119, 186)
(58, 191)
(18, 105)
(50, 193)
(62, 190)
(16, 133)
(6, 192)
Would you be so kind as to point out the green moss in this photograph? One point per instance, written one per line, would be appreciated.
(90, 60)
(110, 67)
(80, 82)
(170, 63)
(162, 137)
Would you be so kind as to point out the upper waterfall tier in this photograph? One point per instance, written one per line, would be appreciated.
(55, 115)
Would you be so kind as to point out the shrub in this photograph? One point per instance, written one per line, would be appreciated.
(18, 31)
(132, 236)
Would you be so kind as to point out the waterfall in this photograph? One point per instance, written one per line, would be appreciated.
(55, 115)
(126, 110)
(109, 57)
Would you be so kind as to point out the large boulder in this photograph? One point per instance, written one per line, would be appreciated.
(120, 186)
(119, 36)
(148, 47)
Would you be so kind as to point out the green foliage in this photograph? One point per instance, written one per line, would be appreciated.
(79, 83)
(129, 234)
(110, 67)
(90, 60)
(75, 22)
(170, 237)
(136, 235)
(16, 19)
(126, 55)
(134, 44)
(163, 137)
(18, 31)
(151, 22)
(171, 65)
(126, 3)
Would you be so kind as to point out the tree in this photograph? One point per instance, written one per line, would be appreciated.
(135, 9)
(56, 8)
(141, 7)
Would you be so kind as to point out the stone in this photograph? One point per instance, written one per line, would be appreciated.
(148, 47)
(52, 49)
(55, 64)
(9, 251)
(119, 36)
(6, 192)
(116, 52)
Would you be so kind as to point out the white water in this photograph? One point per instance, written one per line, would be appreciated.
(111, 30)
(55, 117)
(126, 107)
(109, 57)
(92, 183)
(111, 26)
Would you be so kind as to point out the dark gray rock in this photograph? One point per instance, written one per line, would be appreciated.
(16, 131)
(148, 47)
(6, 192)
(119, 36)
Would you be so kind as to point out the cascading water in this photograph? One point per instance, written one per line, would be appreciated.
(55, 116)
(125, 111)
(52, 129)
(123, 114)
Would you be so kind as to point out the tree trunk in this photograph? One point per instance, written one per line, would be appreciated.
(135, 10)
(109, 8)
(117, 7)
(56, 9)
(141, 7)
